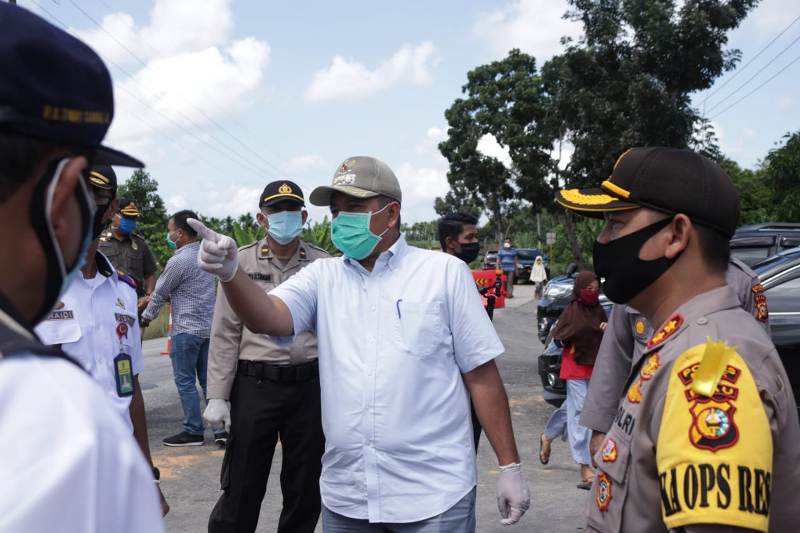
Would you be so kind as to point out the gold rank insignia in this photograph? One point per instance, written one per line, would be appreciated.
(669, 329)
(647, 372)
(640, 327)
(762, 312)
(264, 251)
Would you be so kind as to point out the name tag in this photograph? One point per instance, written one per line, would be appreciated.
(258, 276)
(61, 315)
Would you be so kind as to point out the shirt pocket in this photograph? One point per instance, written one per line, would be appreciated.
(59, 331)
(419, 326)
(610, 487)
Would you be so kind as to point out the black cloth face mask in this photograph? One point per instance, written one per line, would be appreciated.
(469, 252)
(618, 262)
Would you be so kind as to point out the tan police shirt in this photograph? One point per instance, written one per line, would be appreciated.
(130, 256)
(705, 434)
(231, 340)
(625, 340)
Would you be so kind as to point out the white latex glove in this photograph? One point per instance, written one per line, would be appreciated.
(218, 253)
(218, 411)
(512, 494)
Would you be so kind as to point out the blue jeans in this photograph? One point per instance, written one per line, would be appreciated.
(189, 355)
(578, 435)
(460, 517)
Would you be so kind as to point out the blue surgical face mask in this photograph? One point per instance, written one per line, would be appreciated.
(351, 234)
(127, 225)
(285, 226)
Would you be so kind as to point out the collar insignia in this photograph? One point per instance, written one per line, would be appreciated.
(669, 329)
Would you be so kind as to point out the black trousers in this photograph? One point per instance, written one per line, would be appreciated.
(262, 412)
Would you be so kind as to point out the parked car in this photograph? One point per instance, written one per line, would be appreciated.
(780, 276)
(555, 388)
(490, 260)
(555, 298)
(755, 243)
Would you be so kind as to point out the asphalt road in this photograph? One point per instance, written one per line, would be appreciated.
(190, 476)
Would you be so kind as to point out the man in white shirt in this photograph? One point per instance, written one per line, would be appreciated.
(404, 342)
(95, 322)
(68, 463)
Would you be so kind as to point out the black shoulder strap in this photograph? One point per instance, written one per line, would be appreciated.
(13, 344)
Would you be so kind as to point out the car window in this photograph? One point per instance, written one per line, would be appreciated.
(750, 255)
(784, 296)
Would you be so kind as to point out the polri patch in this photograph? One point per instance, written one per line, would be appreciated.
(603, 492)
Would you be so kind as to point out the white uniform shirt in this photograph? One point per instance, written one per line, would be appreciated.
(68, 461)
(84, 323)
(393, 345)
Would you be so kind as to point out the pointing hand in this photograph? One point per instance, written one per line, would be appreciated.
(218, 253)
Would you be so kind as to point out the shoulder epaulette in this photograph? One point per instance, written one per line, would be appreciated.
(246, 246)
(317, 248)
(127, 280)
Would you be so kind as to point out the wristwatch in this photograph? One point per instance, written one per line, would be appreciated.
(156, 475)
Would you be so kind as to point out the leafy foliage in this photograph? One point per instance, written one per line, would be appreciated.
(319, 234)
(782, 172)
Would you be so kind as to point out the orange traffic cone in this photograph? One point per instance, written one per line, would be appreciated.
(169, 333)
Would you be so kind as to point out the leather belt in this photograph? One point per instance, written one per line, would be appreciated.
(280, 373)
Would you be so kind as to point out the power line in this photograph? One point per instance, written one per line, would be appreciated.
(751, 78)
(200, 111)
(743, 67)
(214, 147)
(792, 62)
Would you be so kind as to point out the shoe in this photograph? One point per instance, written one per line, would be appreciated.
(221, 438)
(184, 439)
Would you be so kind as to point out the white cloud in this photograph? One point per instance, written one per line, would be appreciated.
(176, 202)
(175, 26)
(192, 75)
(422, 184)
(350, 79)
(488, 146)
(233, 201)
(534, 26)
(429, 144)
(303, 163)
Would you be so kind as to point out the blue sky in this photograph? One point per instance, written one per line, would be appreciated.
(219, 97)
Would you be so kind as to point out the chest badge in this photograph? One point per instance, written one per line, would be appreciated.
(603, 491)
(120, 303)
(646, 373)
(609, 453)
(669, 329)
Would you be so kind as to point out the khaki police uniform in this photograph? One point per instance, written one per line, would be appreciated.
(130, 256)
(625, 340)
(707, 430)
(273, 387)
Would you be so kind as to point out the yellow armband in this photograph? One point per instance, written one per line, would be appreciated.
(714, 449)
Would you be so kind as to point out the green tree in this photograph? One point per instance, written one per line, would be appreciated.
(782, 172)
(319, 234)
(152, 223)
(755, 200)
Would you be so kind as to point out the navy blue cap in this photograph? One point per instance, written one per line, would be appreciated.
(54, 87)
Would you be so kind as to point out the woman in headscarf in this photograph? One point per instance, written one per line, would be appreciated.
(579, 330)
(538, 275)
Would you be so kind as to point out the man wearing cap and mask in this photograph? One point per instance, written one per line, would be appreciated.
(706, 429)
(404, 342)
(625, 340)
(272, 386)
(70, 461)
(95, 323)
(129, 252)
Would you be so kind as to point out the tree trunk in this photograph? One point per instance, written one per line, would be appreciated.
(572, 238)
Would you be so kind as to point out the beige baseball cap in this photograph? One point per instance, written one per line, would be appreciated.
(362, 177)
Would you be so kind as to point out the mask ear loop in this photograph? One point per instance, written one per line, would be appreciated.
(41, 220)
(375, 213)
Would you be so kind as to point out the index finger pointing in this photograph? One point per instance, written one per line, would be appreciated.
(202, 230)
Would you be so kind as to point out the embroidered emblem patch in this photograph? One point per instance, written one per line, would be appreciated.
(603, 494)
(285, 189)
(646, 373)
(713, 426)
(119, 317)
(672, 325)
(762, 312)
(609, 453)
